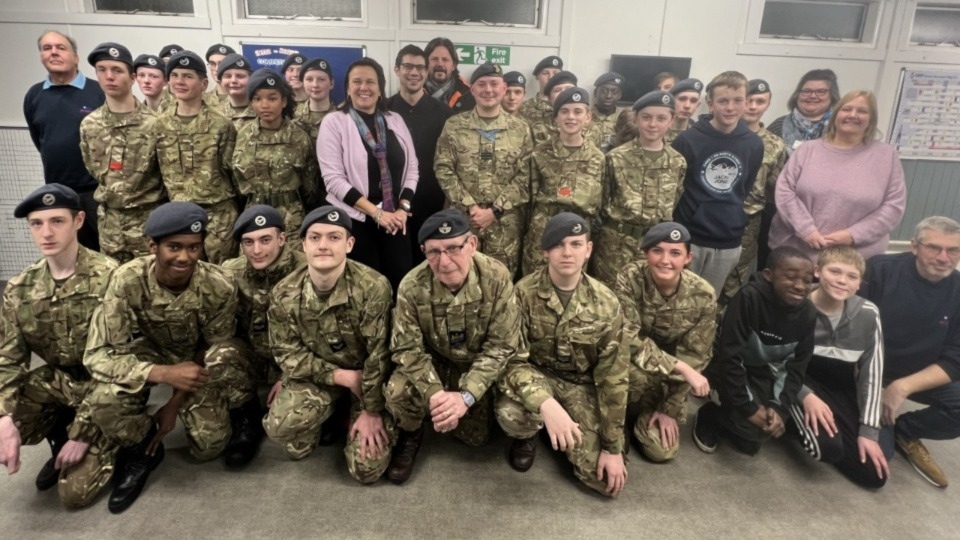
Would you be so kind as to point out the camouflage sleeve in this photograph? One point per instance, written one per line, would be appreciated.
(445, 167)
(503, 343)
(407, 345)
(221, 322)
(374, 322)
(612, 379)
(226, 145)
(14, 355)
(641, 351)
(522, 381)
(85, 149)
(757, 197)
(295, 359)
(694, 349)
(517, 193)
(776, 169)
(111, 329)
(309, 178)
(681, 175)
(608, 185)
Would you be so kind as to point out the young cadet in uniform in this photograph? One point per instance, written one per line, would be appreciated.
(575, 383)
(234, 74)
(273, 163)
(546, 129)
(46, 312)
(456, 325)
(152, 82)
(759, 205)
(686, 94)
(317, 77)
(642, 184)
(291, 73)
(119, 151)
(328, 327)
(444, 82)
(195, 149)
(765, 344)
(266, 259)
(566, 174)
(607, 91)
(167, 52)
(515, 92)
(215, 54)
(670, 323)
(538, 108)
(483, 166)
(169, 318)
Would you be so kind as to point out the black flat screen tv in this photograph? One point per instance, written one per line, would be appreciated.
(639, 72)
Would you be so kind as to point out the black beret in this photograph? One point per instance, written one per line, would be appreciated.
(267, 78)
(170, 50)
(668, 231)
(148, 61)
(48, 197)
(449, 223)
(564, 77)
(561, 226)
(219, 48)
(548, 62)
(515, 78)
(326, 214)
(318, 64)
(258, 216)
(233, 61)
(571, 95)
(186, 60)
(487, 69)
(295, 58)
(757, 86)
(110, 51)
(177, 217)
(657, 98)
(687, 85)
(611, 77)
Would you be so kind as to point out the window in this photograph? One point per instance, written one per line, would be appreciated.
(816, 20)
(936, 24)
(304, 9)
(524, 13)
(140, 7)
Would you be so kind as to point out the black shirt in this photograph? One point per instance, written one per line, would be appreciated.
(425, 120)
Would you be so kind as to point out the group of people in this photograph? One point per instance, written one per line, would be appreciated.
(570, 261)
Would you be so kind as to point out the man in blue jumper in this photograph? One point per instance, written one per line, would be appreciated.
(54, 109)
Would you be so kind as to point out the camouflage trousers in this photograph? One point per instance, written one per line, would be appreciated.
(652, 391)
(409, 407)
(289, 206)
(121, 232)
(748, 253)
(45, 393)
(205, 413)
(219, 244)
(299, 410)
(612, 251)
(502, 239)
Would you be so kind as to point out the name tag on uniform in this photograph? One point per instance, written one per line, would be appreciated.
(458, 338)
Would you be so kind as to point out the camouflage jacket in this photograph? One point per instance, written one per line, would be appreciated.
(547, 130)
(268, 162)
(535, 110)
(605, 123)
(774, 159)
(639, 190)
(569, 178)
(240, 116)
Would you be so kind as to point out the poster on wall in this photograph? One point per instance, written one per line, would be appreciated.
(272, 56)
(926, 122)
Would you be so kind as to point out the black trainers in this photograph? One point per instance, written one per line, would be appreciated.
(705, 432)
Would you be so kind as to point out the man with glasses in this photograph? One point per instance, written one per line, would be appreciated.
(917, 293)
(456, 325)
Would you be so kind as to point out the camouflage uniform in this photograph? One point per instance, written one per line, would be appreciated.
(141, 324)
(562, 180)
(215, 99)
(446, 341)
(315, 334)
(663, 331)
(774, 158)
(638, 193)
(50, 320)
(195, 157)
(276, 168)
(120, 152)
(240, 116)
(579, 358)
(487, 163)
(310, 121)
(536, 110)
(167, 101)
(547, 130)
(605, 123)
(254, 287)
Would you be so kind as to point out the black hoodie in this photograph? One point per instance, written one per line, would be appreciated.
(721, 170)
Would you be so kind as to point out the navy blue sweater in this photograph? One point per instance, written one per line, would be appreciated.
(921, 320)
(53, 117)
(721, 170)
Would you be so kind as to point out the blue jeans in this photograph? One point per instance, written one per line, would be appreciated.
(940, 421)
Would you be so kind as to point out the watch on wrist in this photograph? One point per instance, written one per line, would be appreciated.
(468, 398)
(405, 206)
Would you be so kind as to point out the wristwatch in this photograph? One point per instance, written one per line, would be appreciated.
(405, 206)
(468, 398)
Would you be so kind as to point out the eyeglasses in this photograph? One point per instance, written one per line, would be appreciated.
(819, 92)
(932, 250)
(452, 251)
(413, 67)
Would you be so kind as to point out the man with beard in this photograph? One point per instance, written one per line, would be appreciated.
(444, 82)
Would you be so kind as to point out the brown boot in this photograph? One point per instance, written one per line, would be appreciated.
(522, 452)
(405, 456)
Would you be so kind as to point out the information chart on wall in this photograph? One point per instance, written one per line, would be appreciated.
(926, 121)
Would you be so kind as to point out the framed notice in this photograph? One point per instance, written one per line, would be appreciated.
(926, 122)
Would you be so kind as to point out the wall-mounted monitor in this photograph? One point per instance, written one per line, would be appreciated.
(639, 72)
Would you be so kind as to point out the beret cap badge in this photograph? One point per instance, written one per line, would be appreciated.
(260, 221)
(48, 199)
(196, 227)
(333, 216)
(445, 228)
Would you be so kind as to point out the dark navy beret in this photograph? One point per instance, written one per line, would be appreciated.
(611, 77)
(561, 226)
(515, 78)
(294, 59)
(170, 50)
(668, 231)
(485, 70)
(149, 61)
(757, 86)
(318, 64)
(110, 51)
(186, 60)
(549, 62)
(571, 95)
(564, 77)
(267, 78)
(687, 85)
(657, 98)
(177, 217)
(233, 61)
(449, 223)
(48, 197)
(258, 216)
(219, 48)
(328, 214)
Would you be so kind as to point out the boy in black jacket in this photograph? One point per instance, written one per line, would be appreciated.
(766, 341)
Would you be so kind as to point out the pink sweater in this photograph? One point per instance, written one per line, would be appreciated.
(830, 189)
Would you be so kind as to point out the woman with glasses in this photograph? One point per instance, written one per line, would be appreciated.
(844, 189)
(810, 104)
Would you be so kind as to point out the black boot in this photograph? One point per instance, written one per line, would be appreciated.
(405, 456)
(247, 422)
(57, 437)
(133, 468)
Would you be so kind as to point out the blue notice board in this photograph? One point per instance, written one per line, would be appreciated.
(339, 58)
